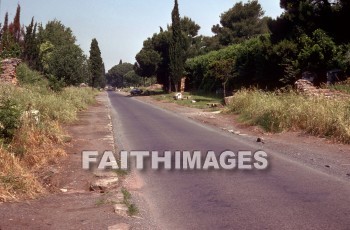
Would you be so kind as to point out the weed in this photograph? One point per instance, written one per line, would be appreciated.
(132, 208)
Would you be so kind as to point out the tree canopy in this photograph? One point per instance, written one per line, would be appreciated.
(241, 22)
(115, 76)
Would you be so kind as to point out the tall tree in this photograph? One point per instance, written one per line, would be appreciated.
(10, 47)
(60, 57)
(30, 45)
(306, 16)
(115, 76)
(6, 22)
(177, 52)
(17, 24)
(147, 62)
(96, 64)
(241, 22)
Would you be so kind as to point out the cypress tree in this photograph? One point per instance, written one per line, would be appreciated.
(96, 65)
(177, 51)
(6, 22)
(17, 24)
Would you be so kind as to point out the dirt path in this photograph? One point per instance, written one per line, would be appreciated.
(74, 201)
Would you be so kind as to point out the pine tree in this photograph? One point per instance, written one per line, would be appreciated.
(177, 52)
(96, 65)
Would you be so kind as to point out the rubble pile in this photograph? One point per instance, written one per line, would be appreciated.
(306, 87)
(8, 70)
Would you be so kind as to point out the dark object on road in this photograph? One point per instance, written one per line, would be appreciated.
(136, 92)
(260, 140)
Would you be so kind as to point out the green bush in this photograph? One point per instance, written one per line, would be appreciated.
(9, 118)
(27, 76)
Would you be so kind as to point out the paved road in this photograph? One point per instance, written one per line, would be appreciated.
(289, 195)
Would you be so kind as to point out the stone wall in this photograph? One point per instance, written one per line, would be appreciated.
(8, 71)
(306, 87)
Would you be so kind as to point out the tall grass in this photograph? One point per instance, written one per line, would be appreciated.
(36, 143)
(342, 87)
(276, 112)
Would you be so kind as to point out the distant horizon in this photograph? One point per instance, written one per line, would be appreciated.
(129, 26)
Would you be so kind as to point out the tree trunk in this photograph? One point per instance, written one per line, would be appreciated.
(224, 84)
(169, 85)
(176, 85)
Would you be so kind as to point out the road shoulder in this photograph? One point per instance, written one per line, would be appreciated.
(74, 200)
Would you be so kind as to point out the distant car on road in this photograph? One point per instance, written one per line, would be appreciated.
(109, 88)
(136, 92)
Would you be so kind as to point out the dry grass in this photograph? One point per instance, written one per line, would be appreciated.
(16, 181)
(276, 112)
(35, 145)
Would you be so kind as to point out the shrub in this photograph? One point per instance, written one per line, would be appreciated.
(9, 118)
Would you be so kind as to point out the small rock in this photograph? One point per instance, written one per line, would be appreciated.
(327, 166)
(119, 227)
(231, 131)
(193, 101)
(348, 174)
(121, 209)
(64, 190)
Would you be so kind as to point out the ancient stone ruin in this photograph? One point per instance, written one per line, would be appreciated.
(306, 87)
(8, 71)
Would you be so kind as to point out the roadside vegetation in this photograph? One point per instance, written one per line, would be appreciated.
(31, 134)
(342, 87)
(200, 101)
(32, 113)
(285, 111)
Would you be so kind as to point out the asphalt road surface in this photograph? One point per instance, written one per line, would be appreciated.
(288, 195)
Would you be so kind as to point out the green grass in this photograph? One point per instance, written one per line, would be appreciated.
(132, 208)
(276, 112)
(201, 101)
(342, 87)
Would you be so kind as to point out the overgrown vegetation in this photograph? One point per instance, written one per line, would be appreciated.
(281, 111)
(342, 87)
(32, 138)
